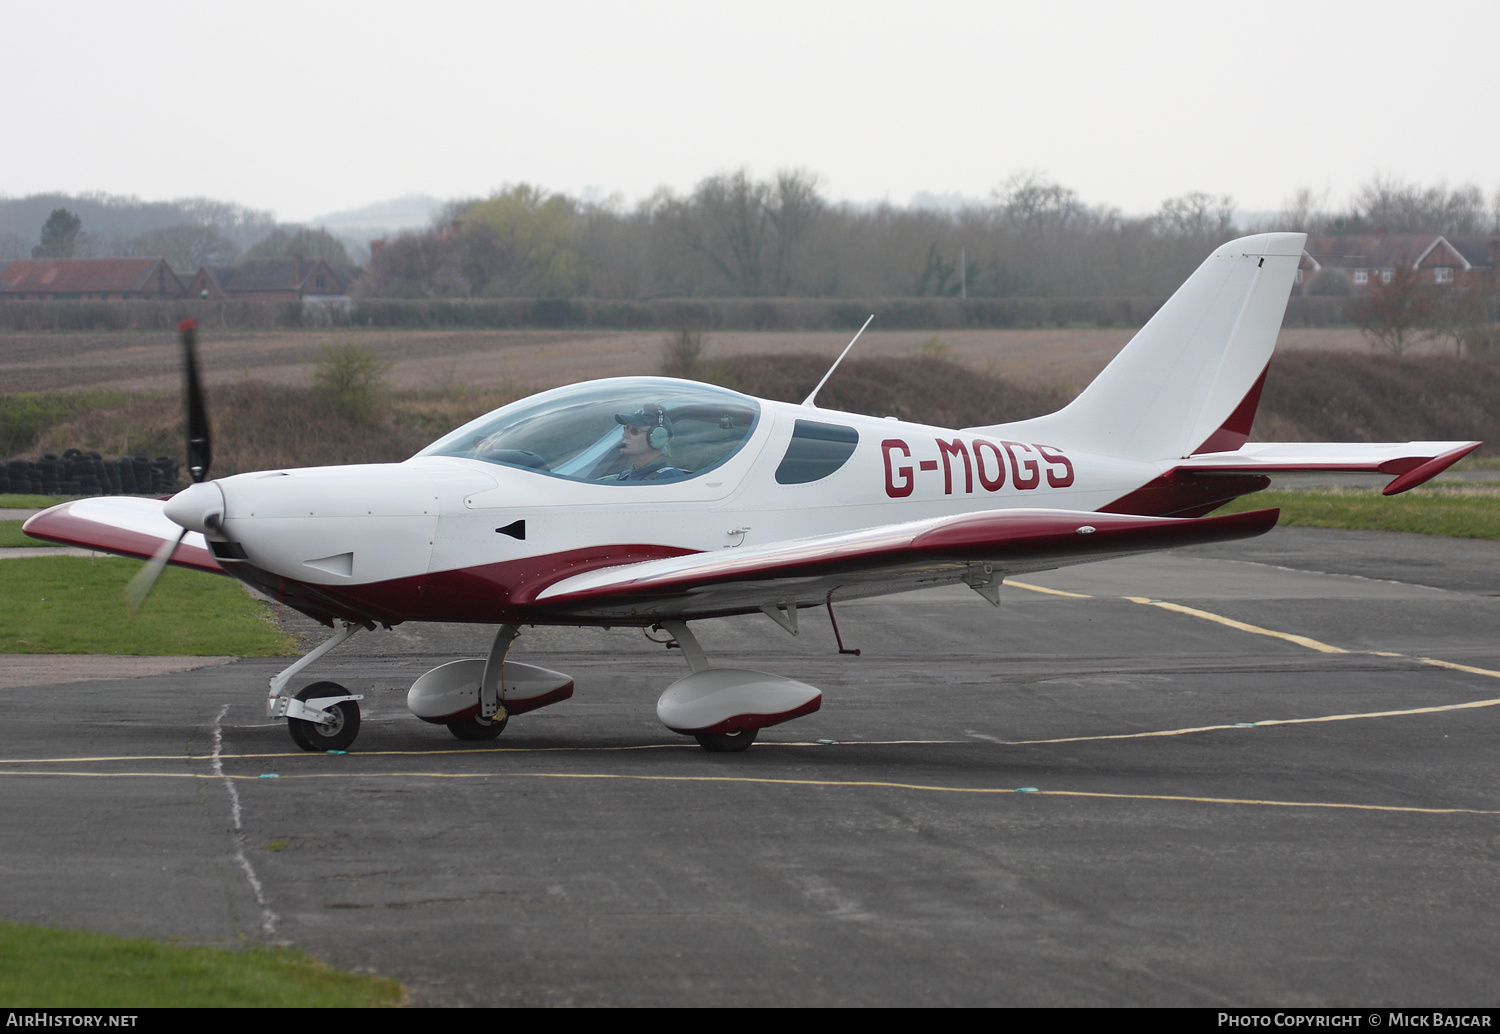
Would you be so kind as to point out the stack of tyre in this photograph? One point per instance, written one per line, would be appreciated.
(87, 473)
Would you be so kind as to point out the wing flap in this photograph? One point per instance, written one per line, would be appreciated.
(123, 525)
(920, 552)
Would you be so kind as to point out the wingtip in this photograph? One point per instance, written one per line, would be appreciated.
(1429, 470)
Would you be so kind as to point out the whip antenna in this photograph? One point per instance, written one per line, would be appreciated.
(809, 400)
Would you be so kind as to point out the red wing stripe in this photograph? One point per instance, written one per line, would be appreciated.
(60, 524)
(997, 535)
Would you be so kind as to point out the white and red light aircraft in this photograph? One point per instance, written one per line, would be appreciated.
(532, 515)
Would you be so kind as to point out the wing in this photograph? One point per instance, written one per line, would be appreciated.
(1411, 462)
(119, 524)
(978, 548)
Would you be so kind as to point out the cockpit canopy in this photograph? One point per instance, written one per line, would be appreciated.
(576, 432)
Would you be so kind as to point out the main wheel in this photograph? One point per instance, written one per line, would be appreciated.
(335, 734)
(478, 728)
(727, 742)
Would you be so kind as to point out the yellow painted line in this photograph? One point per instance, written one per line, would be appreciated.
(1043, 588)
(819, 783)
(364, 753)
(486, 751)
(1435, 709)
(1300, 640)
(1334, 805)
(1458, 667)
(1314, 644)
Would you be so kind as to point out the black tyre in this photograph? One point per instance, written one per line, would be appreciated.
(477, 728)
(336, 734)
(727, 742)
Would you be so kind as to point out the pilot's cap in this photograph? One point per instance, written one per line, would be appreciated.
(650, 415)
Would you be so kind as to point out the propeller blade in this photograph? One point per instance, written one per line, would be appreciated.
(199, 445)
(145, 579)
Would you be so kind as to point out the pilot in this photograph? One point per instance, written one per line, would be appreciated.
(646, 444)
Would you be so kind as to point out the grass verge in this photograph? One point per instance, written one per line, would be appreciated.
(1472, 462)
(11, 535)
(68, 969)
(14, 501)
(75, 605)
(1426, 512)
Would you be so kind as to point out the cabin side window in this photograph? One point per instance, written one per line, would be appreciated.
(816, 451)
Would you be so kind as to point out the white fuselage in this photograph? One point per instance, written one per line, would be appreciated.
(354, 528)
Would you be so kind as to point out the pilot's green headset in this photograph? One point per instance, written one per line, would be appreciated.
(660, 433)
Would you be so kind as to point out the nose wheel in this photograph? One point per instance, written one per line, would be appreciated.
(336, 731)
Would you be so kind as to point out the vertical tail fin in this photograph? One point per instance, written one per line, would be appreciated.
(1190, 379)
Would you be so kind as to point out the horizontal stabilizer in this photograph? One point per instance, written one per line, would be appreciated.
(125, 525)
(1411, 463)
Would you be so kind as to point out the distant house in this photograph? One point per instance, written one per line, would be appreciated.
(100, 279)
(274, 280)
(1367, 259)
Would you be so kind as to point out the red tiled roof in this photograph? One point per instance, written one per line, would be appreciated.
(279, 275)
(85, 276)
(1368, 251)
(1480, 249)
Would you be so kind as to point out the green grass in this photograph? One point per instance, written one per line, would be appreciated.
(1489, 461)
(13, 501)
(23, 417)
(67, 969)
(1452, 511)
(11, 535)
(75, 605)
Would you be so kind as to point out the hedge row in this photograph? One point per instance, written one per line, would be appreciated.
(152, 315)
(665, 313)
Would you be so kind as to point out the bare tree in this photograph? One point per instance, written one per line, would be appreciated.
(1392, 204)
(184, 247)
(317, 244)
(793, 207)
(1304, 211)
(725, 221)
(1196, 216)
(1461, 317)
(415, 265)
(680, 352)
(1036, 205)
(1394, 314)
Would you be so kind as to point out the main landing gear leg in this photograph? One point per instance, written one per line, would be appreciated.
(325, 715)
(731, 742)
(489, 723)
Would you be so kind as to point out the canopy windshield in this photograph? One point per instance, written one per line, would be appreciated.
(578, 432)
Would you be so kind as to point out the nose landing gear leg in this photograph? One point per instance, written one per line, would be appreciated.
(325, 715)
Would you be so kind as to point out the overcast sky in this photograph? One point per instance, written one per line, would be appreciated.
(310, 107)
